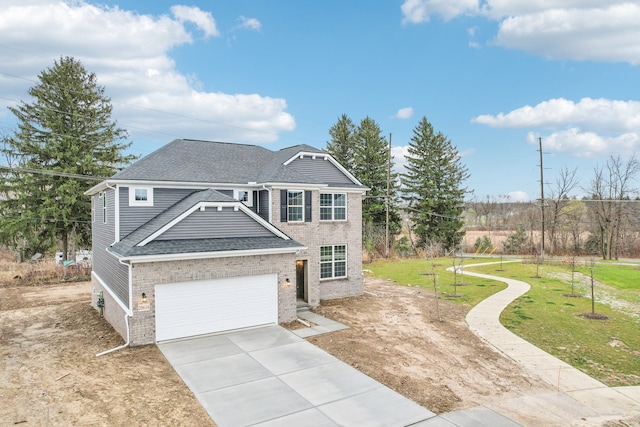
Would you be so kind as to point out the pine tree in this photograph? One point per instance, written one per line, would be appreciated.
(342, 141)
(371, 162)
(67, 129)
(432, 187)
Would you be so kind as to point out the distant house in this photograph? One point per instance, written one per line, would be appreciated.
(202, 237)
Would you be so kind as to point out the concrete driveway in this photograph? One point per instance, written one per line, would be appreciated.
(270, 377)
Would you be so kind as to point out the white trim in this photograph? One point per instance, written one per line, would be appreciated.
(333, 207)
(132, 195)
(116, 213)
(249, 192)
(204, 255)
(108, 289)
(302, 206)
(235, 205)
(333, 261)
(329, 157)
(196, 185)
(294, 185)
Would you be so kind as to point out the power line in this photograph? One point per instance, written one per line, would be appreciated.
(50, 172)
(74, 221)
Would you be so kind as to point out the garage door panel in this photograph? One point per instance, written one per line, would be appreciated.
(207, 306)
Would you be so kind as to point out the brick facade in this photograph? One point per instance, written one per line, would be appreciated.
(315, 234)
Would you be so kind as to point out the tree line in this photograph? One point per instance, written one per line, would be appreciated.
(65, 137)
(604, 221)
(66, 141)
(430, 193)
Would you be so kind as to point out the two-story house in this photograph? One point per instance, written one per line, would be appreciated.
(202, 237)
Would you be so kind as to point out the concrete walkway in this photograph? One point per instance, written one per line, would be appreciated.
(579, 397)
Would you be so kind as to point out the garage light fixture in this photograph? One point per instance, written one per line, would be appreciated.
(144, 297)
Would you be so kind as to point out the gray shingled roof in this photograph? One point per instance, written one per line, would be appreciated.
(127, 246)
(164, 247)
(185, 160)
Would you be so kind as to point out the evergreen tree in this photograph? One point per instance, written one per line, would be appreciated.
(432, 187)
(342, 141)
(65, 132)
(371, 163)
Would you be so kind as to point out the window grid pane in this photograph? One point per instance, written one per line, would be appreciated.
(333, 207)
(295, 206)
(325, 214)
(333, 261)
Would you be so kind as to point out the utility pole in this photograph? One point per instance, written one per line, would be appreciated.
(541, 198)
(386, 234)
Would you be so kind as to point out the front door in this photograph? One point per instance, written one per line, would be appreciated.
(301, 267)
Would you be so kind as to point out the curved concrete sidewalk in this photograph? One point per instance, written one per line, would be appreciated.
(589, 398)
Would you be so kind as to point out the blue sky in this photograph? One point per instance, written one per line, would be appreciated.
(492, 75)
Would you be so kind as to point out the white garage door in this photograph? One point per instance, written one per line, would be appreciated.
(205, 306)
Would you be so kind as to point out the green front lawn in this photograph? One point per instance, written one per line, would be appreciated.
(419, 273)
(547, 316)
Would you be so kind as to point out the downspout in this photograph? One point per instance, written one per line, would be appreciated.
(126, 320)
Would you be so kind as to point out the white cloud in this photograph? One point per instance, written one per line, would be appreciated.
(417, 11)
(588, 128)
(129, 53)
(593, 114)
(203, 20)
(516, 196)
(609, 33)
(587, 144)
(404, 113)
(555, 29)
(250, 23)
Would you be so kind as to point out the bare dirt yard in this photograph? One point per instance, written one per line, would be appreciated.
(50, 375)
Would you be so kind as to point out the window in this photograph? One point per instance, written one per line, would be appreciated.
(295, 206)
(140, 196)
(244, 196)
(333, 261)
(333, 207)
(103, 196)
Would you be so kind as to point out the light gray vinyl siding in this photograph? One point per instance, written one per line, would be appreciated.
(105, 265)
(263, 204)
(132, 217)
(211, 224)
(320, 169)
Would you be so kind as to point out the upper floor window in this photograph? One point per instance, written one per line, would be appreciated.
(103, 196)
(244, 196)
(333, 261)
(295, 206)
(140, 196)
(333, 207)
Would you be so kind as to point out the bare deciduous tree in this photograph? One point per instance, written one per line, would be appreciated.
(610, 185)
(559, 200)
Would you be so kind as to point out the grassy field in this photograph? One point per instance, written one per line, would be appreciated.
(414, 272)
(548, 315)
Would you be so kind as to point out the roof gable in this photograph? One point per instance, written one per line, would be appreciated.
(203, 216)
